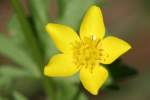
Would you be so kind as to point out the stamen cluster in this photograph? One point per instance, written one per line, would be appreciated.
(86, 53)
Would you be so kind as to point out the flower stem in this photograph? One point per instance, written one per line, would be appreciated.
(49, 87)
(78, 92)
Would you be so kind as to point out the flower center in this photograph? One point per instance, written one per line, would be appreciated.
(86, 53)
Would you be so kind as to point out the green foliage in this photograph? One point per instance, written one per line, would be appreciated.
(27, 31)
(19, 96)
(82, 96)
(119, 70)
(65, 87)
(40, 17)
(146, 6)
(16, 32)
(14, 72)
(72, 11)
(11, 51)
(102, 3)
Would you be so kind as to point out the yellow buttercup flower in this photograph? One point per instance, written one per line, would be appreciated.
(84, 53)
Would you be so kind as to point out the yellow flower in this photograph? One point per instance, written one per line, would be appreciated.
(84, 53)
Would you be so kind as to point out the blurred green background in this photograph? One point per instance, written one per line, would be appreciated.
(22, 37)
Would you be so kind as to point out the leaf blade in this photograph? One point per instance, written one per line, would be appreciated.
(13, 71)
(10, 50)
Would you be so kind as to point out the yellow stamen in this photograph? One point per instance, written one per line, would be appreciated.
(86, 54)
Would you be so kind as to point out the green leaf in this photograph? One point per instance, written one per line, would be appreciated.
(119, 70)
(27, 31)
(40, 16)
(146, 6)
(14, 72)
(110, 84)
(17, 35)
(10, 50)
(40, 10)
(102, 3)
(113, 86)
(65, 88)
(83, 97)
(19, 96)
(16, 32)
(72, 11)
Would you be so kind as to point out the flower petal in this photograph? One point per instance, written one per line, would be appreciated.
(92, 81)
(113, 47)
(93, 24)
(62, 36)
(60, 65)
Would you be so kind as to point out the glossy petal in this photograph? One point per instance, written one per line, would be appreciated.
(113, 48)
(62, 36)
(60, 65)
(92, 81)
(93, 24)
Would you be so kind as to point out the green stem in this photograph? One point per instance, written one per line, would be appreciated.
(49, 87)
(78, 92)
(32, 42)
